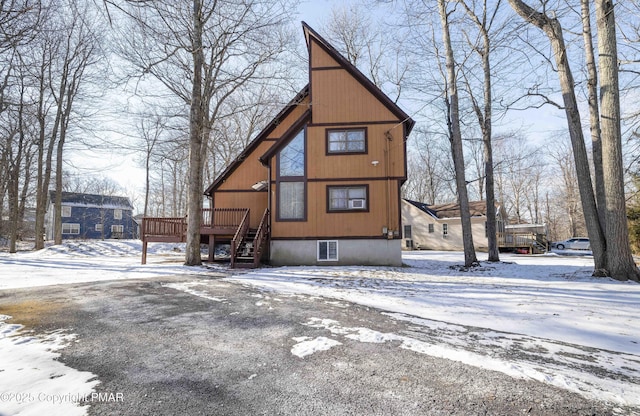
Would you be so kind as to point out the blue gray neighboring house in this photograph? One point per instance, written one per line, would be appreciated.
(89, 216)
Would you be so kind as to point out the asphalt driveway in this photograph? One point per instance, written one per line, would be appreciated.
(226, 349)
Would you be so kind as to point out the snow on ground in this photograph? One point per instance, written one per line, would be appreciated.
(539, 317)
(84, 261)
(32, 382)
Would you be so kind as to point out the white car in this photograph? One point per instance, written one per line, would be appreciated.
(574, 244)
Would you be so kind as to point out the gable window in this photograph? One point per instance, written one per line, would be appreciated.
(347, 198)
(347, 141)
(328, 250)
(431, 230)
(66, 211)
(407, 231)
(291, 170)
(117, 214)
(70, 228)
(445, 230)
(291, 158)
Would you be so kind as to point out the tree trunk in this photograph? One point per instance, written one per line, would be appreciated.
(619, 259)
(196, 122)
(453, 120)
(552, 28)
(594, 112)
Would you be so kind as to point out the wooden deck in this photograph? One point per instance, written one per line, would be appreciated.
(221, 222)
(533, 243)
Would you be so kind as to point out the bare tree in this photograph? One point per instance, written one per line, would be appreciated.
(78, 52)
(203, 54)
(620, 264)
(484, 114)
(453, 121)
(553, 30)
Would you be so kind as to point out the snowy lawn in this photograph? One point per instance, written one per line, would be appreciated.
(540, 317)
(82, 261)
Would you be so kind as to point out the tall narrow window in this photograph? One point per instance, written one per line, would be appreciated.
(291, 180)
(445, 230)
(431, 228)
(407, 231)
(291, 158)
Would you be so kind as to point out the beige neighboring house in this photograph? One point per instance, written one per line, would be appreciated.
(438, 227)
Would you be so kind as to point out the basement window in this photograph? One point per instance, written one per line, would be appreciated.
(328, 250)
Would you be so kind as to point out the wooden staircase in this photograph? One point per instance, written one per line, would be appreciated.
(249, 244)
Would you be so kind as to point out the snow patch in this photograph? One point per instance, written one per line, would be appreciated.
(310, 346)
(33, 381)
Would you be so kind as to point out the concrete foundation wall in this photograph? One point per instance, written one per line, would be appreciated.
(350, 252)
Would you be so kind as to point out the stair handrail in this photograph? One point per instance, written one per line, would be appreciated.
(261, 237)
(239, 236)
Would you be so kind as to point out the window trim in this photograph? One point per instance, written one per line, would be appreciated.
(303, 178)
(431, 228)
(98, 227)
(304, 209)
(366, 196)
(404, 231)
(445, 230)
(347, 152)
(117, 217)
(66, 208)
(328, 242)
(120, 228)
(69, 226)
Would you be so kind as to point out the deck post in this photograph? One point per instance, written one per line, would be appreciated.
(212, 250)
(144, 251)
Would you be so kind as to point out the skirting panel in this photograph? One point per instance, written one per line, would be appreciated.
(348, 252)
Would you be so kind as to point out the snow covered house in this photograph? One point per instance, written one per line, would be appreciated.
(90, 216)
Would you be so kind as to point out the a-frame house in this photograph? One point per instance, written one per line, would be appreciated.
(321, 183)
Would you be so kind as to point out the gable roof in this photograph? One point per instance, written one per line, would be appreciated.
(407, 121)
(93, 200)
(258, 139)
(451, 210)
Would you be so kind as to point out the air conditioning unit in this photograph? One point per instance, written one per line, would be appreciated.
(356, 203)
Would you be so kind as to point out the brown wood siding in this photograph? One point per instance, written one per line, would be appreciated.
(251, 170)
(248, 173)
(295, 114)
(338, 97)
(358, 165)
(255, 201)
(320, 58)
(321, 224)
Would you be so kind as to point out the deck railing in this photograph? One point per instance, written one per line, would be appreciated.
(261, 237)
(222, 217)
(161, 227)
(240, 235)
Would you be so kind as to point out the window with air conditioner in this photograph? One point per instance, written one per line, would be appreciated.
(347, 198)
